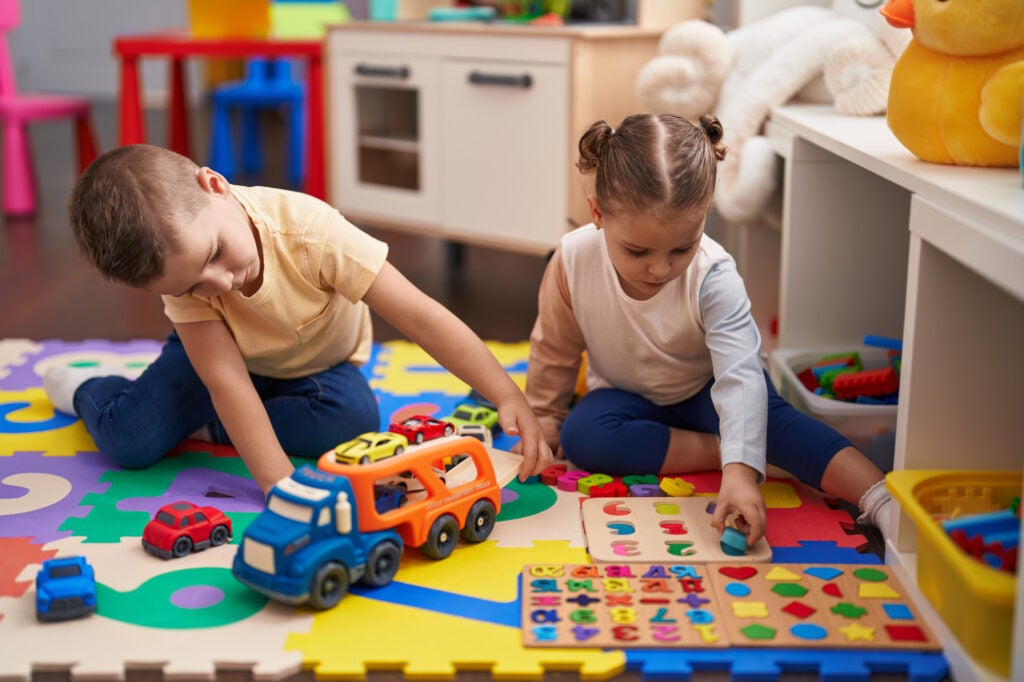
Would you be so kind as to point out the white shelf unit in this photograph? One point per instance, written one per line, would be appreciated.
(877, 241)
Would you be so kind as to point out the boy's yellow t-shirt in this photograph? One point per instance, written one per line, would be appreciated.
(307, 314)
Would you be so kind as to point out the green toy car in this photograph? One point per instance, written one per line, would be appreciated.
(474, 414)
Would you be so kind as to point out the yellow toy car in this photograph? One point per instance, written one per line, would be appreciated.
(370, 447)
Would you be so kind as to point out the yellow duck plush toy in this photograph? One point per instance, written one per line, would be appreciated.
(955, 95)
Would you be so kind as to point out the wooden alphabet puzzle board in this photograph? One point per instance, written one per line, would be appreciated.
(719, 605)
(669, 529)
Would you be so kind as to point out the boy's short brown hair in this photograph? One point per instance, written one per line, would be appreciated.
(126, 208)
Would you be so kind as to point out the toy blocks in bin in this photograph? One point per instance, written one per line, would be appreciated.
(870, 427)
(975, 600)
(229, 18)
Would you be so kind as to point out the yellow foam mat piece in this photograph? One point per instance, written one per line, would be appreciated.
(486, 570)
(410, 371)
(435, 647)
(65, 440)
(439, 645)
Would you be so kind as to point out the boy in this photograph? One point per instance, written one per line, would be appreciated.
(268, 293)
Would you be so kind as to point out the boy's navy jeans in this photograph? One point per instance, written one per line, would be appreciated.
(135, 423)
(615, 432)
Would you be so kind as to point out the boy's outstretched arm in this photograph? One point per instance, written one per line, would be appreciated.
(218, 362)
(457, 348)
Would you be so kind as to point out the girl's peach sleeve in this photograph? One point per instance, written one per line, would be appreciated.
(556, 348)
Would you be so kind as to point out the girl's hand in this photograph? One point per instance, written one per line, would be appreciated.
(740, 494)
(518, 420)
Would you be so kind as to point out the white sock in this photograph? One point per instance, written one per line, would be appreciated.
(61, 382)
(876, 506)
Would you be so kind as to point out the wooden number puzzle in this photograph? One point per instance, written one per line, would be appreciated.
(668, 529)
(719, 605)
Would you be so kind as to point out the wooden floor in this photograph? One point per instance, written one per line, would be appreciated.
(47, 291)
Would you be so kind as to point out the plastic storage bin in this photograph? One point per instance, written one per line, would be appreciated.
(871, 428)
(975, 601)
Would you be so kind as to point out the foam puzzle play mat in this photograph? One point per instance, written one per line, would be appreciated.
(64, 506)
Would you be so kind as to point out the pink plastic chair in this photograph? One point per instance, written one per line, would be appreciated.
(17, 110)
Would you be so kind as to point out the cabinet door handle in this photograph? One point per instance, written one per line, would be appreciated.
(400, 72)
(480, 78)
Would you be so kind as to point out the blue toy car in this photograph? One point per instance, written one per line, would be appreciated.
(65, 589)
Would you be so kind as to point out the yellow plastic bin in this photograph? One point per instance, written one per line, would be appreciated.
(975, 601)
(229, 18)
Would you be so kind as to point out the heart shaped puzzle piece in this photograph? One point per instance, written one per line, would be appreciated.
(738, 572)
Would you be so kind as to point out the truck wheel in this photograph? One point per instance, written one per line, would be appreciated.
(219, 535)
(181, 546)
(479, 521)
(329, 585)
(382, 564)
(443, 537)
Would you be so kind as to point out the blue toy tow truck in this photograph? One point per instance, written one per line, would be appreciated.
(307, 547)
(65, 589)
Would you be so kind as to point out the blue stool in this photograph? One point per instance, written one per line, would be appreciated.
(268, 84)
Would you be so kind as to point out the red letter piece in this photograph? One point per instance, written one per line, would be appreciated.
(614, 489)
(550, 475)
(692, 585)
(625, 633)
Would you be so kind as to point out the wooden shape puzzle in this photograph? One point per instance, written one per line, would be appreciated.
(799, 605)
(712, 605)
(672, 529)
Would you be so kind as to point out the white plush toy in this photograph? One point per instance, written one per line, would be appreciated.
(739, 75)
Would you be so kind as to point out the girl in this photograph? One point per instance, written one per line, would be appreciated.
(675, 381)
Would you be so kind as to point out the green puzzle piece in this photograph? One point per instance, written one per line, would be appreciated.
(106, 523)
(189, 598)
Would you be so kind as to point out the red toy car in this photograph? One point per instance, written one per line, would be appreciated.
(419, 428)
(181, 527)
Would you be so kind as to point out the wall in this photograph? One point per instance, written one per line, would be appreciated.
(66, 45)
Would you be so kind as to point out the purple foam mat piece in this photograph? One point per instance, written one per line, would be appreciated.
(233, 493)
(24, 376)
(83, 472)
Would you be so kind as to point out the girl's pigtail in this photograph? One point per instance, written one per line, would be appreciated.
(593, 145)
(713, 129)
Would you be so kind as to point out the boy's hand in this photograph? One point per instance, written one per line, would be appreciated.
(740, 493)
(518, 420)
